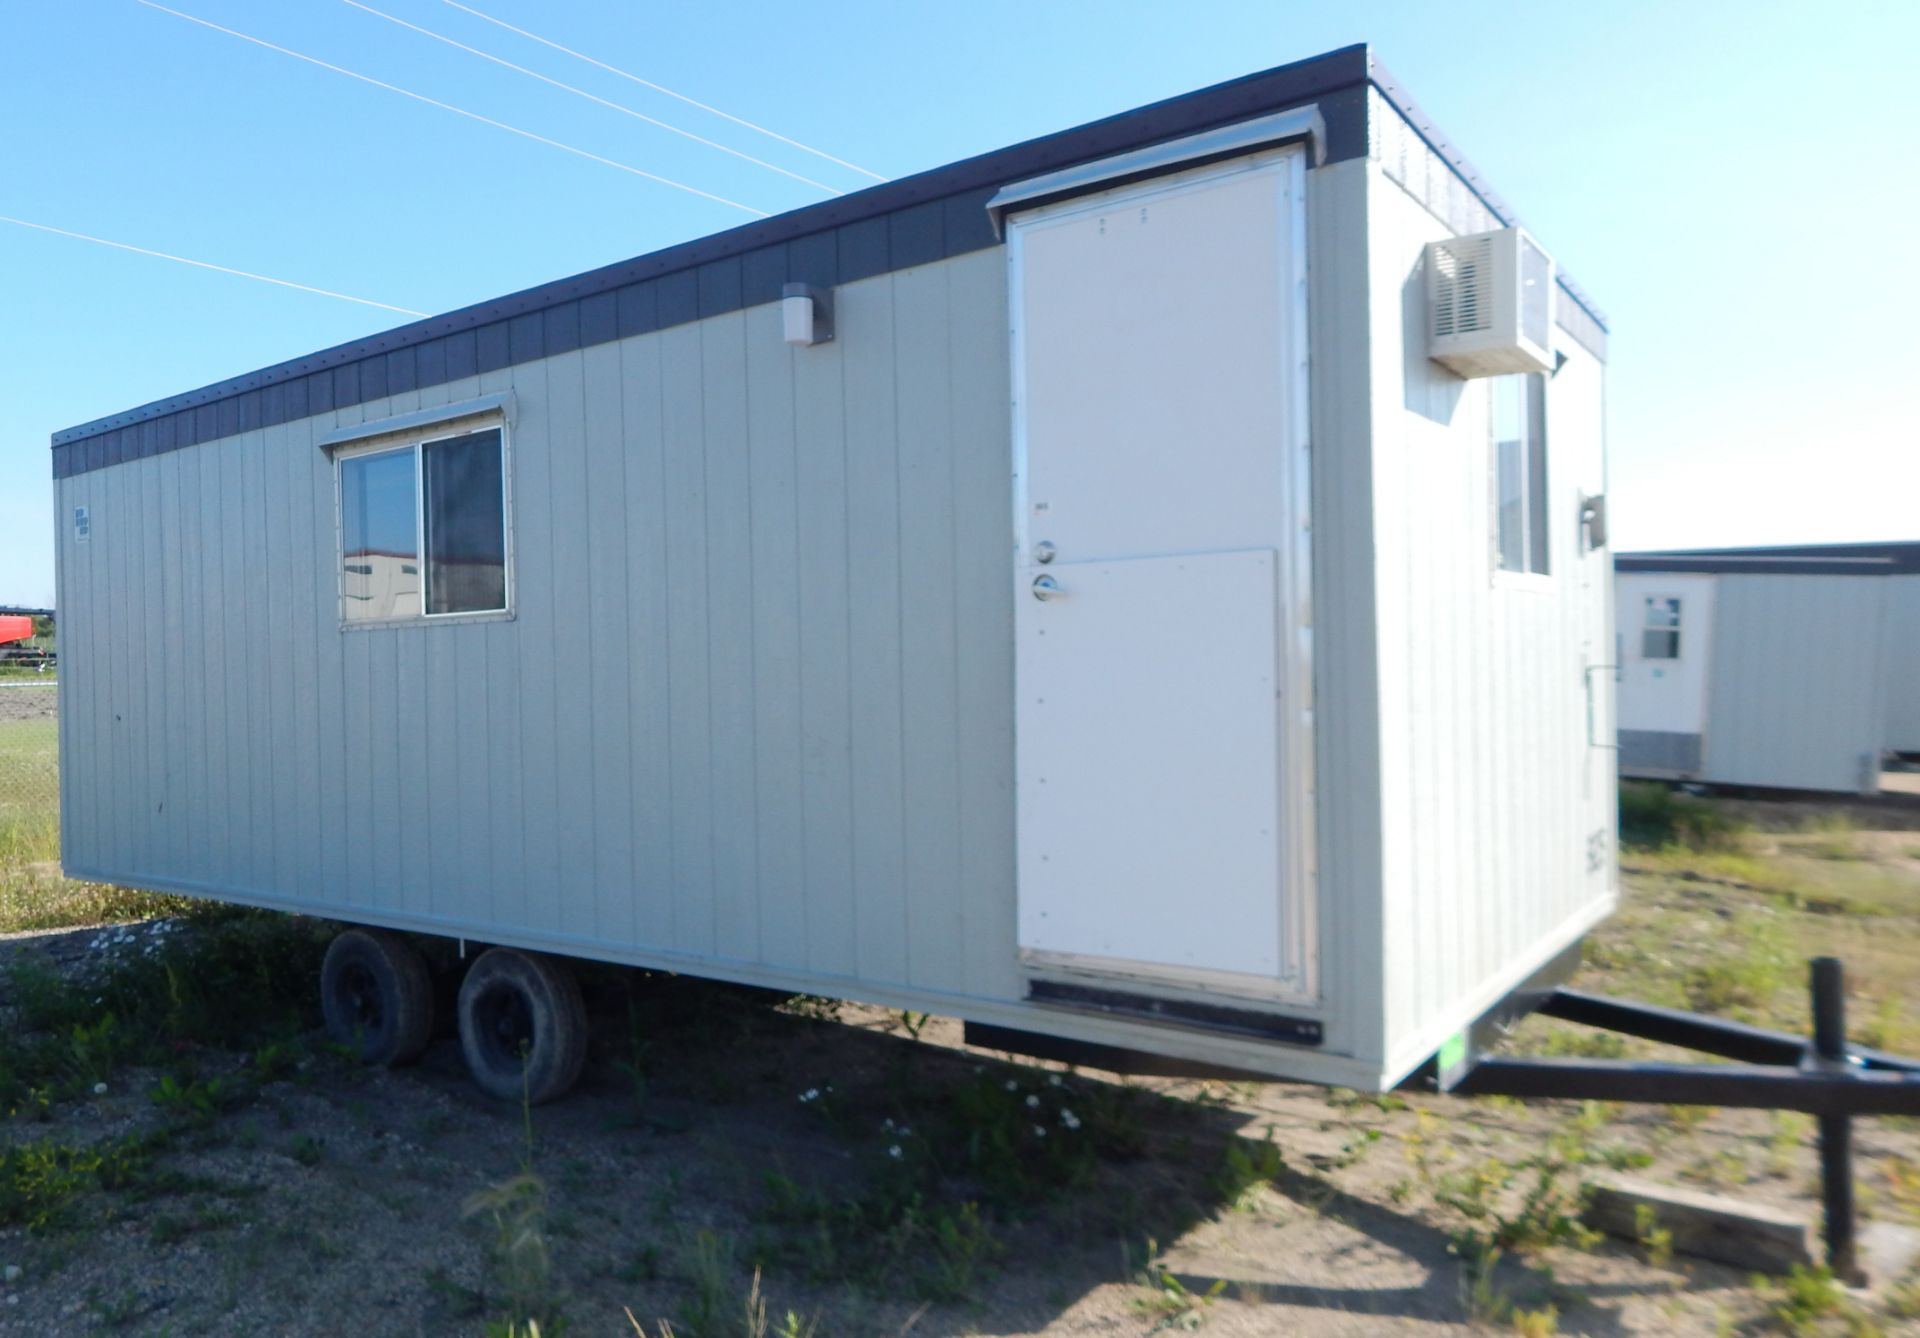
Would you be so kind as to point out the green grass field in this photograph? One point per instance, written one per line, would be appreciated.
(33, 895)
(29, 774)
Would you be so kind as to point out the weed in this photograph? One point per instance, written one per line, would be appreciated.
(518, 1258)
(709, 1266)
(1903, 1298)
(813, 1007)
(1582, 1043)
(307, 1149)
(1542, 1323)
(1803, 1298)
(1173, 1304)
(197, 1103)
(889, 1236)
(1654, 816)
(40, 1181)
(1547, 1210)
(1245, 1166)
(1786, 1135)
(1482, 1297)
(1688, 1119)
(1656, 1241)
(913, 1023)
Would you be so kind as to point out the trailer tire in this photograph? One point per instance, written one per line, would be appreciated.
(523, 1025)
(377, 996)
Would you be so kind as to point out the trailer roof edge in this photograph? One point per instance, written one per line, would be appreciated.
(914, 220)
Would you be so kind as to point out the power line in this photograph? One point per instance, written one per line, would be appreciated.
(203, 264)
(581, 92)
(462, 111)
(660, 88)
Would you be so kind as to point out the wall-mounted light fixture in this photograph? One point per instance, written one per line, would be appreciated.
(806, 313)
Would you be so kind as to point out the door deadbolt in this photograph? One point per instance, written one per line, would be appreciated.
(1044, 551)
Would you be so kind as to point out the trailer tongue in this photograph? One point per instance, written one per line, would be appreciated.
(1772, 1070)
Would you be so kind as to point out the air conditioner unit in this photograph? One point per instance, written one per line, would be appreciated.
(1490, 304)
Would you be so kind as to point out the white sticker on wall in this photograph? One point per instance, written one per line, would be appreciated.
(82, 524)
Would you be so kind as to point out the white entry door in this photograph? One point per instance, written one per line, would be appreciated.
(1163, 721)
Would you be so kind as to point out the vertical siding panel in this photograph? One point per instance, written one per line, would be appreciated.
(1794, 700)
(153, 680)
(99, 671)
(257, 838)
(1347, 722)
(281, 554)
(928, 648)
(983, 580)
(610, 743)
(780, 852)
(99, 660)
(492, 682)
(650, 731)
(407, 750)
(438, 837)
(689, 753)
(463, 872)
(169, 848)
(226, 709)
(315, 647)
(825, 543)
(196, 671)
(63, 600)
(572, 641)
(730, 634)
(863, 319)
(130, 693)
(536, 630)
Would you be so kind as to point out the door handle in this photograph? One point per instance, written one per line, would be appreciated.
(1045, 587)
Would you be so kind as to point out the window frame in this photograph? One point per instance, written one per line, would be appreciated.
(417, 440)
(1525, 579)
(1673, 629)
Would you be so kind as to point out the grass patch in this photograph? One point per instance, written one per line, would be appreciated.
(1655, 816)
(233, 979)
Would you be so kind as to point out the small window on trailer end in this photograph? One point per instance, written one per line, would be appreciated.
(1519, 422)
(423, 528)
(1660, 631)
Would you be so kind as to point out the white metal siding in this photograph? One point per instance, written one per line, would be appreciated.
(1497, 800)
(1796, 697)
(754, 704)
(1901, 674)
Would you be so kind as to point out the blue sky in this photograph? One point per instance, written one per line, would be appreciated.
(1730, 181)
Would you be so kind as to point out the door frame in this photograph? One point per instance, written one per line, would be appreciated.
(1301, 979)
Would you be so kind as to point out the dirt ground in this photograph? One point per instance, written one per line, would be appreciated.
(26, 699)
(718, 1132)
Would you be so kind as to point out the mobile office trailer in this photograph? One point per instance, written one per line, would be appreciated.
(1790, 668)
(1060, 590)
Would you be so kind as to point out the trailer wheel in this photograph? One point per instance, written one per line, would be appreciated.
(523, 1025)
(376, 995)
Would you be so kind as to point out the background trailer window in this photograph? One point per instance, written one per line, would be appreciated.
(423, 529)
(1660, 639)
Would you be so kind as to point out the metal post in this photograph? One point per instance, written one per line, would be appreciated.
(1829, 985)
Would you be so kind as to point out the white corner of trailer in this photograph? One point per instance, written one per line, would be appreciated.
(1496, 775)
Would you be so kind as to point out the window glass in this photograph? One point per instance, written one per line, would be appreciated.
(1660, 638)
(1520, 473)
(465, 524)
(379, 537)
